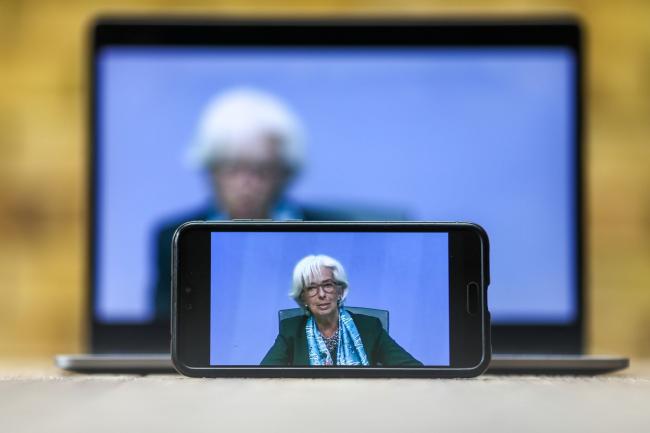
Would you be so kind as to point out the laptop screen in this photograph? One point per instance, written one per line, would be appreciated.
(482, 134)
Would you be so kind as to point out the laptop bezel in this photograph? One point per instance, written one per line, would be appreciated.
(441, 31)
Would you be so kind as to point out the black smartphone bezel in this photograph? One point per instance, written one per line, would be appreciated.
(468, 250)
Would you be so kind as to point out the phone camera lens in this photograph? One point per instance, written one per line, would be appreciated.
(188, 289)
(188, 306)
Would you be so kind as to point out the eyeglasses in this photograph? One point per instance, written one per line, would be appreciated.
(328, 286)
(260, 169)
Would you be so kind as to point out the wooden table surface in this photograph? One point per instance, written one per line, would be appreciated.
(35, 396)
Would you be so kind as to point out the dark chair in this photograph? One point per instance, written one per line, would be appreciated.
(382, 315)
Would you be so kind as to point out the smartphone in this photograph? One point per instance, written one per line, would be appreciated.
(330, 299)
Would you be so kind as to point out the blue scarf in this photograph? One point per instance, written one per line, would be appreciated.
(350, 350)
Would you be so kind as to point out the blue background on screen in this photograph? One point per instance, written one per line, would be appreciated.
(251, 277)
(483, 135)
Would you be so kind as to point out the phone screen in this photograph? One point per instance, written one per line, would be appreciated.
(376, 299)
(330, 299)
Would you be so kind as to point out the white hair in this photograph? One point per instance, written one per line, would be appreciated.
(308, 269)
(238, 116)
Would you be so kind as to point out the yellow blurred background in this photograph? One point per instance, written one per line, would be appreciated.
(43, 151)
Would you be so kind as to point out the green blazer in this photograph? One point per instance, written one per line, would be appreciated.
(290, 347)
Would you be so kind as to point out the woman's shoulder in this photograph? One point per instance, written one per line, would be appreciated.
(366, 322)
(290, 325)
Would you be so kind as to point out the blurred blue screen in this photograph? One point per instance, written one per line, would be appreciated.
(250, 280)
(448, 134)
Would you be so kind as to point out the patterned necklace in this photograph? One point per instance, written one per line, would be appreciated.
(332, 344)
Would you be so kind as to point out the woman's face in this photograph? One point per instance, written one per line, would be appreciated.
(249, 182)
(321, 295)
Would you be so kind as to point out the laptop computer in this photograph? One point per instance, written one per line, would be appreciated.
(478, 120)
